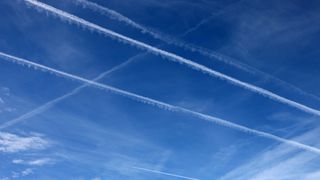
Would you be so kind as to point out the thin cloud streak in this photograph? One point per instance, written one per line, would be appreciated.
(170, 56)
(51, 103)
(159, 104)
(165, 173)
(35, 162)
(191, 47)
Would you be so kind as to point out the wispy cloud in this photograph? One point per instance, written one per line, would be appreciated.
(161, 105)
(173, 57)
(23, 173)
(280, 162)
(35, 162)
(164, 173)
(4, 107)
(11, 143)
(5, 91)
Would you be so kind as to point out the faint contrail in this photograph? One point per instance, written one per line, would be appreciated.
(170, 56)
(205, 52)
(165, 173)
(213, 14)
(159, 104)
(51, 103)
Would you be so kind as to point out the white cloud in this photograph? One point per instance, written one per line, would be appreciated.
(312, 176)
(26, 172)
(96, 178)
(11, 143)
(35, 162)
(17, 161)
(5, 91)
(4, 107)
(23, 173)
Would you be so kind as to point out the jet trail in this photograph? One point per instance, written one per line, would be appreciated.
(159, 104)
(160, 36)
(170, 56)
(51, 103)
(165, 173)
(205, 52)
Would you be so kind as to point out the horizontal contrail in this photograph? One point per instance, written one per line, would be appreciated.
(170, 56)
(165, 173)
(51, 103)
(159, 104)
(191, 47)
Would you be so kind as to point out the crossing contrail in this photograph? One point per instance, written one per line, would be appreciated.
(160, 36)
(159, 104)
(51, 103)
(191, 47)
(170, 56)
(164, 173)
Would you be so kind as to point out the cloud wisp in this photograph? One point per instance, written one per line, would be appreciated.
(170, 56)
(159, 104)
(12, 143)
(22, 174)
(191, 47)
(35, 162)
(280, 162)
(164, 173)
(51, 103)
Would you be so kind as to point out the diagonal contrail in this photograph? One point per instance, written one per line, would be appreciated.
(51, 103)
(191, 47)
(160, 36)
(170, 56)
(164, 173)
(159, 104)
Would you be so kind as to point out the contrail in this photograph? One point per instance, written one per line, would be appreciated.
(160, 36)
(214, 14)
(51, 103)
(191, 47)
(170, 56)
(165, 173)
(159, 104)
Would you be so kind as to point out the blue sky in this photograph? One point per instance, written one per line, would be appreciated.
(52, 127)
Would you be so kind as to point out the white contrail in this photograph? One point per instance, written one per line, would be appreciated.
(159, 104)
(51, 103)
(165, 173)
(114, 15)
(203, 51)
(170, 56)
(160, 36)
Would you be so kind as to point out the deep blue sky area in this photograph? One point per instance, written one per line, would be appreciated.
(53, 127)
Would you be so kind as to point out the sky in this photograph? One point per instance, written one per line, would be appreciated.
(159, 89)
